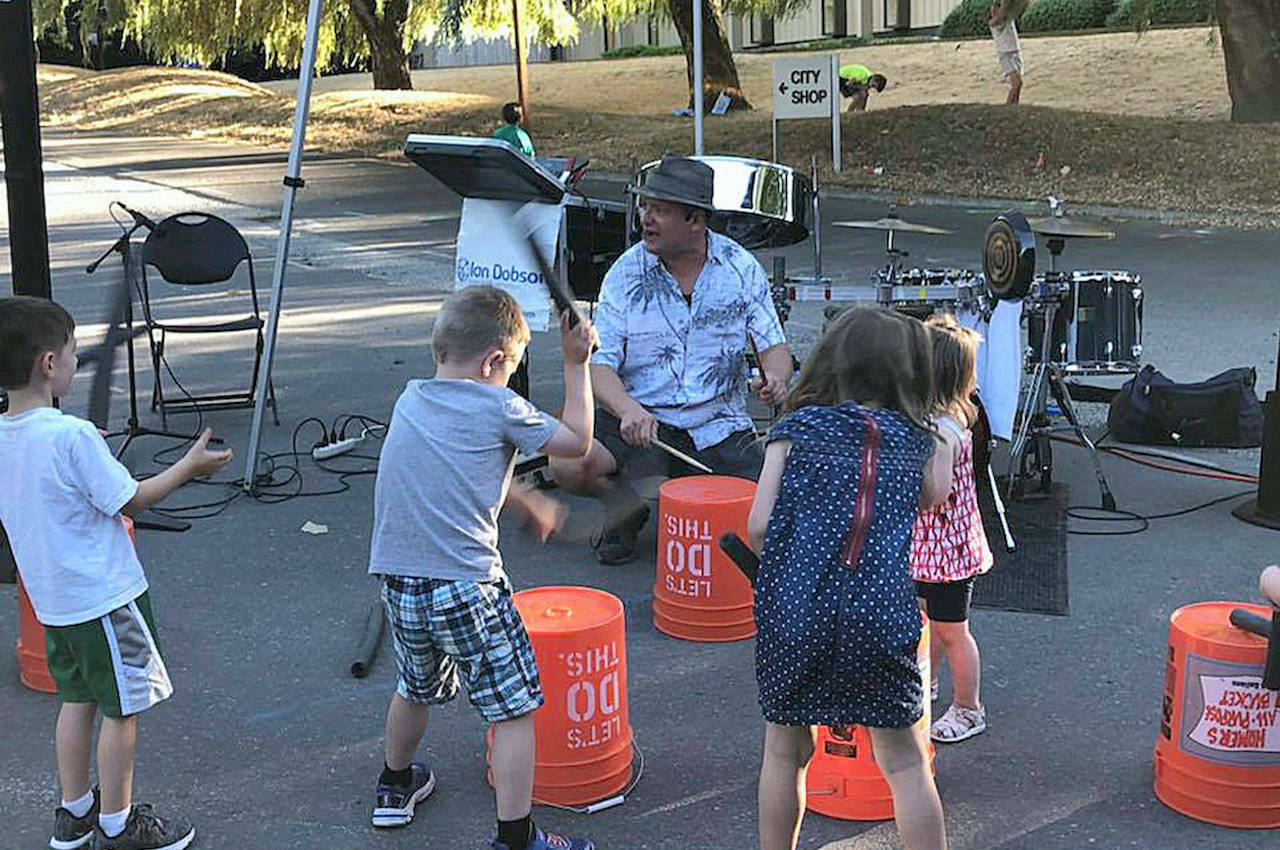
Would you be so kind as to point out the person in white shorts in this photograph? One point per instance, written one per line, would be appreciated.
(1002, 19)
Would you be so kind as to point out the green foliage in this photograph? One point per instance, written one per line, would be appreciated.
(642, 50)
(1059, 15)
(967, 20)
(1134, 14)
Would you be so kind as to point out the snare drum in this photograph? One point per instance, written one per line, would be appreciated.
(1098, 327)
(923, 292)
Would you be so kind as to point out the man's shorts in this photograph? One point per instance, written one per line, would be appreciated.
(447, 631)
(113, 662)
(740, 454)
(946, 601)
(1010, 62)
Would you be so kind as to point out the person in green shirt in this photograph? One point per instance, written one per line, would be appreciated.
(856, 83)
(510, 130)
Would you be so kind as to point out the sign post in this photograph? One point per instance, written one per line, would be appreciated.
(807, 87)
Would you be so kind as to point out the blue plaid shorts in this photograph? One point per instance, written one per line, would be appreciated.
(447, 631)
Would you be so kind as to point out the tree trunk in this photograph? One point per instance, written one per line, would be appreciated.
(385, 36)
(720, 74)
(1251, 47)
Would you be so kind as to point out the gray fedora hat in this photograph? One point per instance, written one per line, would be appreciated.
(680, 180)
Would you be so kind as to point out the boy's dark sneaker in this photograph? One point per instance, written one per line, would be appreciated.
(548, 841)
(617, 543)
(69, 831)
(396, 802)
(145, 831)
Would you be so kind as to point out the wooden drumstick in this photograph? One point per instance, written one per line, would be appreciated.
(679, 455)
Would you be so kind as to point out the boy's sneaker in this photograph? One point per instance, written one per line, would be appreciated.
(548, 841)
(145, 831)
(617, 543)
(396, 802)
(69, 831)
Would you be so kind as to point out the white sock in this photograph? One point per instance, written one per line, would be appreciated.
(80, 807)
(113, 824)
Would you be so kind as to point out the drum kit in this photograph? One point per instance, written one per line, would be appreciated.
(1079, 323)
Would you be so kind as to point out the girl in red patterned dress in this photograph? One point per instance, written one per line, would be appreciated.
(948, 544)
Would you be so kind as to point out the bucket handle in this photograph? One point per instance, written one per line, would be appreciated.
(1250, 622)
(740, 553)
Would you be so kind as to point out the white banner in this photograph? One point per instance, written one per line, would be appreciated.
(493, 249)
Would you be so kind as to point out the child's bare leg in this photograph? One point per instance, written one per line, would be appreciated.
(1015, 87)
(73, 739)
(116, 743)
(406, 724)
(904, 760)
(787, 750)
(962, 655)
(511, 759)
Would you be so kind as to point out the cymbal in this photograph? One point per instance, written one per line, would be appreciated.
(1069, 228)
(892, 222)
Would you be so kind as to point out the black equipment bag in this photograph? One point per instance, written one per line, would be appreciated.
(1220, 411)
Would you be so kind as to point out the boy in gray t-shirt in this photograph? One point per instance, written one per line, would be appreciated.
(443, 477)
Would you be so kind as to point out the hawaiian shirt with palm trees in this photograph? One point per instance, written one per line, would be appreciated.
(683, 361)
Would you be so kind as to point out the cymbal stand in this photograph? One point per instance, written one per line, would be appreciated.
(1034, 428)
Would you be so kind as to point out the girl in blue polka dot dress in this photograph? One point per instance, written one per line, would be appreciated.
(845, 472)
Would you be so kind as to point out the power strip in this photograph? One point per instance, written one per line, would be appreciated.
(335, 449)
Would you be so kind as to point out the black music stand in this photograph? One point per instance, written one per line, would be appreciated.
(99, 401)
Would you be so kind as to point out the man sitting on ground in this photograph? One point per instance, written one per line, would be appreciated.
(510, 130)
(674, 317)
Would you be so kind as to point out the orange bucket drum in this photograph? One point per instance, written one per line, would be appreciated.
(33, 661)
(844, 780)
(583, 730)
(1217, 755)
(698, 594)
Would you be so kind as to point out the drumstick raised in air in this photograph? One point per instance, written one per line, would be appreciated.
(679, 455)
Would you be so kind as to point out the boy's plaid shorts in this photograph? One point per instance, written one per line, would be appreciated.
(444, 631)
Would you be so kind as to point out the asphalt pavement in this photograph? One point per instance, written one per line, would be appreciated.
(269, 743)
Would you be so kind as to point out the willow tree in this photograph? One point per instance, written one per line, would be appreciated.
(204, 30)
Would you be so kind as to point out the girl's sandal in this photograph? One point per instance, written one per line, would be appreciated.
(957, 724)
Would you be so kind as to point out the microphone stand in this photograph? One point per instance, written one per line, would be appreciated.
(133, 429)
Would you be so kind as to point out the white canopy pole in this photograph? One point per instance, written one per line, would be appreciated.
(292, 183)
(697, 77)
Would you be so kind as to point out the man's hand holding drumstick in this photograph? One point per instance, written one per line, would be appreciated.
(770, 385)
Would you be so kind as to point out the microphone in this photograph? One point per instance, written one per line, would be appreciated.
(142, 219)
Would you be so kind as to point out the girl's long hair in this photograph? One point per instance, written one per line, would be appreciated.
(955, 367)
(872, 356)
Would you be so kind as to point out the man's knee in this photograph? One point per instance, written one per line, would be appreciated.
(582, 475)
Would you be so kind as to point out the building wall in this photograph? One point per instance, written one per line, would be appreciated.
(744, 32)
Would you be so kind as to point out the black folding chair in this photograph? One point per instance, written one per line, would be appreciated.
(197, 249)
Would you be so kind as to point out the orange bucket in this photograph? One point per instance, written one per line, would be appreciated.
(1217, 755)
(33, 661)
(844, 780)
(698, 594)
(583, 729)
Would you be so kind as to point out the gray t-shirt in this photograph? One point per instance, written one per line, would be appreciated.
(443, 476)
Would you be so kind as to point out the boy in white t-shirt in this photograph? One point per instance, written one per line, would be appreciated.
(60, 504)
(1002, 19)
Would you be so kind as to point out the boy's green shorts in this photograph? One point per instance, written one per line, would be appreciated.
(113, 662)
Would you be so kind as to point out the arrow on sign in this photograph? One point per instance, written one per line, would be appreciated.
(782, 89)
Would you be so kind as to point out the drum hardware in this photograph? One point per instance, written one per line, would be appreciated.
(1045, 297)
(892, 224)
